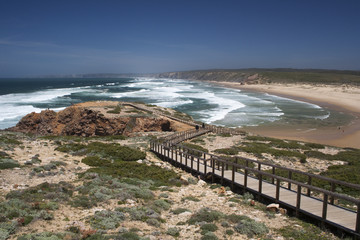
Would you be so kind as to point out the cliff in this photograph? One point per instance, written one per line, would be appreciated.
(85, 121)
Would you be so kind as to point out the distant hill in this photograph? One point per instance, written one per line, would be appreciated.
(280, 75)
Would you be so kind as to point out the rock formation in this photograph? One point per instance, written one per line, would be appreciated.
(81, 121)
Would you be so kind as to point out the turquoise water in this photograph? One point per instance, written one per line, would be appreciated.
(203, 101)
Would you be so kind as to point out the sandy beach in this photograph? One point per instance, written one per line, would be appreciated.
(342, 98)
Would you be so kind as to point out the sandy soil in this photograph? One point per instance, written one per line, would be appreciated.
(342, 98)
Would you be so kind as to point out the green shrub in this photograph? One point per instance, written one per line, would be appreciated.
(57, 192)
(106, 219)
(205, 215)
(173, 231)
(190, 198)
(83, 202)
(209, 236)
(153, 222)
(208, 227)
(306, 231)
(314, 145)
(128, 236)
(7, 163)
(160, 176)
(162, 204)
(116, 110)
(197, 148)
(42, 236)
(250, 228)
(95, 161)
(180, 210)
(227, 151)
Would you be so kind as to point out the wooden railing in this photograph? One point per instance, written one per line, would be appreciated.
(216, 166)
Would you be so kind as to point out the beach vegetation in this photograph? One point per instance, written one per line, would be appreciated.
(115, 110)
(190, 198)
(227, 151)
(195, 149)
(177, 211)
(105, 219)
(6, 162)
(57, 192)
(9, 139)
(208, 227)
(209, 236)
(304, 231)
(173, 231)
(205, 215)
(251, 228)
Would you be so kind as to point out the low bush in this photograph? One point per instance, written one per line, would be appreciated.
(160, 176)
(106, 219)
(162, 204)
(227, 151)
(180, 210)
(208, 227)
(7, 163)
(251, 228)
(205, 215)
(191, 147)
(303, 232)
(190, 198)
(209, 236)
(58, 192)
(173, 231)
(115, 110)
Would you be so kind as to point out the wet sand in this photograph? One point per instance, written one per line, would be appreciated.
(343, 98)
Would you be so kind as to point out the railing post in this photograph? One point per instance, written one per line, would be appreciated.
(186, 160)
(298, 200)
(273, 178)
(176, 156)
(332, 190)
(277, 195)
(245, 178)
(236, 162)
(192, 163)
(198, 164)
(205, 165)
(260, 184)
(357, 228)
(213, 170)
(325, 204)
(222, 173)
(172, 154)
(232, 178)
(309, 183)
(290, 177)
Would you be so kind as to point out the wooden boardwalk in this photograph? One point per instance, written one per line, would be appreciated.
(287, 192)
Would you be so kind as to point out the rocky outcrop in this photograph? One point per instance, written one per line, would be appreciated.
(86, 122)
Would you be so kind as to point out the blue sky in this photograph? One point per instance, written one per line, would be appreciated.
(70, 37)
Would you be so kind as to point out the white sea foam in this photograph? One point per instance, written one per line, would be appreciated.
(9, 111)
(14, 106)
(293, 100)
(225, 106)
(174, 103)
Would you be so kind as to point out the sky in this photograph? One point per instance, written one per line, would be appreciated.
(52, 37)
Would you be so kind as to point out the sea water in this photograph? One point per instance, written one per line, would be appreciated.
(203, 101)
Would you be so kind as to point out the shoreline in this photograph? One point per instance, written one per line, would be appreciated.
(342, 98)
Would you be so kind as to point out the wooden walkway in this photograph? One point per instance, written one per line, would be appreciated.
(303, 198)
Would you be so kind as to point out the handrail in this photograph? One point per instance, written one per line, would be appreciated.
(168, 152)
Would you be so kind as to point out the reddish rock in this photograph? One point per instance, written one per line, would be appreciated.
(86, 122)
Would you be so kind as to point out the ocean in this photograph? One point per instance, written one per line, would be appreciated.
(203, 101)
